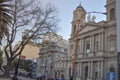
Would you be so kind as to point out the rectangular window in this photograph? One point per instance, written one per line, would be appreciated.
(112, 45)
(86, 71)
(96, 46)
(88, 47)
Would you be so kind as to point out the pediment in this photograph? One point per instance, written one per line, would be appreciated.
(87, 29)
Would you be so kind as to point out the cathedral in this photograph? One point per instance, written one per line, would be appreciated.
(93, 44)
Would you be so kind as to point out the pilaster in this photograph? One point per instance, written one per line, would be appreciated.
(91, 70)
(98, 69)
(99, 41)
(93, 41)
(102, 70)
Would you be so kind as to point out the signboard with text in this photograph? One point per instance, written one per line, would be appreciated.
(111, 76)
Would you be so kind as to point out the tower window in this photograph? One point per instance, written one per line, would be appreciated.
(112, 14)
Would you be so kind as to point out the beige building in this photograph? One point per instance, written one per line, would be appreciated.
(96, 49)
(31, 50)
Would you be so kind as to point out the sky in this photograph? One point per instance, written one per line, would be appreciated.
(65, 12)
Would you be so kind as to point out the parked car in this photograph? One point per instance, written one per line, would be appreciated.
(36, 75)
(42, 77)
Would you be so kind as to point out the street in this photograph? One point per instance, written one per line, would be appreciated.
(24, 78)
(20, 78)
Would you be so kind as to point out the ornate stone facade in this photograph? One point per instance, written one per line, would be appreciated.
(52, 55)
(96, 50)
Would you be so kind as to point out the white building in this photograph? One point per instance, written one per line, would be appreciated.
(54, 49)
(96, 50)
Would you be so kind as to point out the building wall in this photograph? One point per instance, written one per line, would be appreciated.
(31, 51)
(52, 55)
(96, 51)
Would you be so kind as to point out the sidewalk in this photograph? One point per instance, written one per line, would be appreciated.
(19, 77)
(5, 79)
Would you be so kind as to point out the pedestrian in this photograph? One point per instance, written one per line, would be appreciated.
(71, 78)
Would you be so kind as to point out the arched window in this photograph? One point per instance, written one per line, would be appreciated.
(74, 28)
(112, 14)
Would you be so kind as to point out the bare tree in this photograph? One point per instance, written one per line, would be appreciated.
(34, 19)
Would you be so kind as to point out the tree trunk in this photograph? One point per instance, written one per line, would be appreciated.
(6, 74)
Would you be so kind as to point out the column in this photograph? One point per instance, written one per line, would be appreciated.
(91, 70)
(78, 70)
(102, 70)
(90, 43)
(98, 69)
(80, 46)
(93, 41)
(77, 27)
(82, 43)
(81, 69)
(83, 46)
(99, 41)
(102, 44)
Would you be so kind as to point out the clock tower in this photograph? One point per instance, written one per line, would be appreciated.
(78, 19)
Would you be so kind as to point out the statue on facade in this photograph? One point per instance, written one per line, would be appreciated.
(93, 18)
(89, 18)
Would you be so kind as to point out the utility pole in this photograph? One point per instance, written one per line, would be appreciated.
(73, 77)
(118, 36)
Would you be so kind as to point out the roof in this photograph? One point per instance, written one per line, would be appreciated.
(80, 7)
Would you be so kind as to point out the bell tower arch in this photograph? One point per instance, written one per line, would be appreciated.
(78, 18)
(111, 10)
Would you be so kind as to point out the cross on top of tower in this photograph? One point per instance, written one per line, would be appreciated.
(80, 3)
(80, 6)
